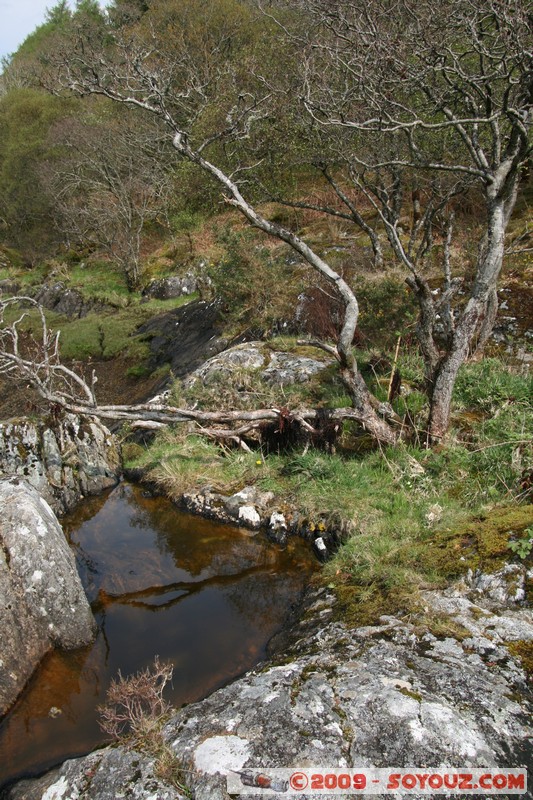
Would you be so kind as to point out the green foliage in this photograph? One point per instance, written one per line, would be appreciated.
(257, 289)
(186, 220)
(522, 547)
(59, 14)
(100, 280)
(388, 310)
(26, 117)
(487, 386)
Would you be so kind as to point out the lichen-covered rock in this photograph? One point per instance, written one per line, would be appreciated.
(246, 356)
(286, 368)
(104, 775)
(42, 600)
(380, 696)
(279, 368)
(64, 462)
(173, 286)
(507, 586)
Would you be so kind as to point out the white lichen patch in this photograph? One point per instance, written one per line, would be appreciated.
(58, 790)
(221, 754)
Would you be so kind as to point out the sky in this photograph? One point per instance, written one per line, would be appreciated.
(18, 18)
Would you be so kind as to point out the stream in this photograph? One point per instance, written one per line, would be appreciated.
(206, 596)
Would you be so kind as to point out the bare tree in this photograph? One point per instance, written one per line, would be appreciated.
(110, 182)
(205, 100)
(425, 100)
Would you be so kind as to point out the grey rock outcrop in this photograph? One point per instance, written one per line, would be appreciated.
(64, 461)
(276, 368)
(174, 286)
(247, 356)
(248, 508)
(286, 368)
(8, 286)
(42, 600)
(184, 337)
(381, 696)
(58, 297)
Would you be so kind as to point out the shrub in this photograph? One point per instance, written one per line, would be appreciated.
(135, 705)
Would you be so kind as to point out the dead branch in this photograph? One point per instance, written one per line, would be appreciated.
(36, 360)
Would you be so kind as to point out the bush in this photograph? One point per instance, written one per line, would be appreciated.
(256, 288)
(135, 705)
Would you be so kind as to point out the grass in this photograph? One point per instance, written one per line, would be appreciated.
(412, 518)
(100, 336)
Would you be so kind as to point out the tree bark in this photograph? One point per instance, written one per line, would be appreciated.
(475, 319)
(445, 374)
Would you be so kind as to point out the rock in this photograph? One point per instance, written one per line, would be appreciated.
(249, 517)
(277, 528)
(244, 356)
(174, 286)
(379, 696)
(502, 588)
(505, 626)
(183, 337)
(282, 369)
(249, 496)
(41, 596)
(102, 775)
(65, 462)
(247, 507)
(59, 298)
(8, 286)
(321, 551)
(286, 369)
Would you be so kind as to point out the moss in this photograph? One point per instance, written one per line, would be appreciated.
(523, 650)
(296, 688)
(363, 605)
(23, 451)
(478, 613)
(442, 626)
(480, 544)
(408, 693)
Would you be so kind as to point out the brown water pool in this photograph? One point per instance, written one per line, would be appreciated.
(207, 597)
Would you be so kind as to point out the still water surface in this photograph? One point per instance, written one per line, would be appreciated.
(207, 597)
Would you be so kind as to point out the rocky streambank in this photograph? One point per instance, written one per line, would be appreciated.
(446, 687)
(46, 467)
(389, 695)
(64, 458)
(41, 596)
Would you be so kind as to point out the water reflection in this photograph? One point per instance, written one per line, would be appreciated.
(207, 597)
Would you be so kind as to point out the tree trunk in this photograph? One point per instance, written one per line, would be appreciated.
(362, 401)
(364, 407)
(475, 320)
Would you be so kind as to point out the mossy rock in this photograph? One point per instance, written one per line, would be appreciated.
(523, 650)
(482, 543)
